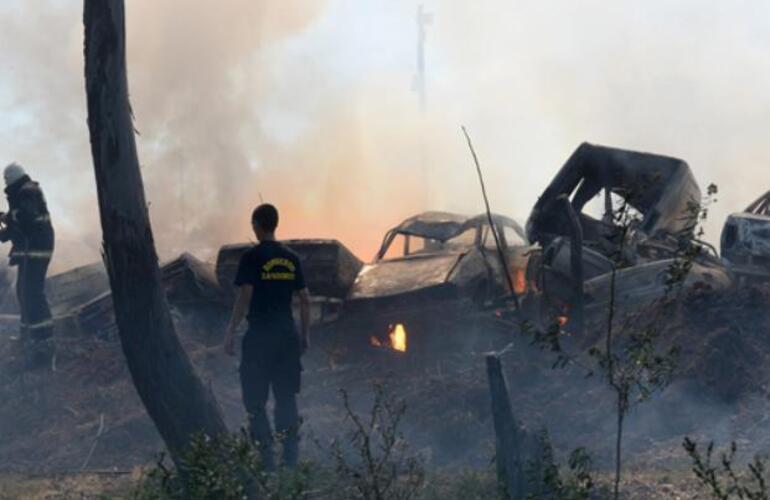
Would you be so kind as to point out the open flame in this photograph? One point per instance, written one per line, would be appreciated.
(396, 338)
(519, 281)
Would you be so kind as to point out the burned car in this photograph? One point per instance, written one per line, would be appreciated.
(330, 269)
(662, 190)
(432, 268)
(658, 200)
(81, 299)
(642, 285)
(745, 241)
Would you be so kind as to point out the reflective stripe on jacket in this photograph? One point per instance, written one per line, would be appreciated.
(28, 223)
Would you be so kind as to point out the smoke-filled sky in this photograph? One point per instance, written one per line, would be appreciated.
(310, 104)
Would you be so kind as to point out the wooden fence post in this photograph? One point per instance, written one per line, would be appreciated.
(510, 469)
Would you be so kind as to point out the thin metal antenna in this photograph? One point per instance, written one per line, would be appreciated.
(424, 19)
(261, 200)
(183, 197)
(492, 226)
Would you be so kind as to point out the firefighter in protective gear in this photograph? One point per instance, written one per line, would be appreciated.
(27, 224)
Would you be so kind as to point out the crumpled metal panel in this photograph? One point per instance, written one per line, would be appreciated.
(661, 188)
(82, 299)
(640, 285)
(330, 268)
(187, 279)
(439, 226)
(442, 226)
(464, 267)
(474, 266)
(65, 291)
(391, 277)
(745, 240)
(760, 206)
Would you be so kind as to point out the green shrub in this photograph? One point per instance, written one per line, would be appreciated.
(462, 485)
(552, 482)
(722, 480)
(223, 468)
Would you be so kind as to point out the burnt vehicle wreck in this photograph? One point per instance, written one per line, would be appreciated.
(437, 268)
(81, 300)
(434, 267)
(330, 270)
(745, 241)
(651, 208)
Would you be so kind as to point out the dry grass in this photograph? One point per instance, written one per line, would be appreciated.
(66, 487)
(446, 484)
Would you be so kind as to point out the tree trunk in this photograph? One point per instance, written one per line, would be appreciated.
(174, 396)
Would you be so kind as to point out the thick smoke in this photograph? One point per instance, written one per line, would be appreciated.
(309, 104)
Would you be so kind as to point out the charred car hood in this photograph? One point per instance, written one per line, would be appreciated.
(393, 277)
(640, 285)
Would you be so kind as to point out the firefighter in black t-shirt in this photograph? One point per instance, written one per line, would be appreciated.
(268, 277)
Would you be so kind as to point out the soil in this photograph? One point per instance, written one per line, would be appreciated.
(82, 414)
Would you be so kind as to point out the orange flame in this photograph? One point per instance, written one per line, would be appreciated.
(519, 281)
(398, 338)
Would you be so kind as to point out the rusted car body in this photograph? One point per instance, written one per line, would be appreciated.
(329, 267)
(745, 241)
(661, 189)
(579, 252)
(642, 285)
(436, 265)
(81, 300)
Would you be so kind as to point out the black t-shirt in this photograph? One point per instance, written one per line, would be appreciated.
(275, 273)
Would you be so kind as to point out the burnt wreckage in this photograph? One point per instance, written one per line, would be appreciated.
(745, 241)
(430, 270)
(433, 269)
(651, 208)
(437, 267)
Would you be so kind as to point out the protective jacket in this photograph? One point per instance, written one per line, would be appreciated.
(28, 223)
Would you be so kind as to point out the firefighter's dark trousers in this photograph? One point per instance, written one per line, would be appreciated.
(36, 322)
(272, 361)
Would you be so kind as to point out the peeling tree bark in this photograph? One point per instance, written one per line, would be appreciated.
(174, 396)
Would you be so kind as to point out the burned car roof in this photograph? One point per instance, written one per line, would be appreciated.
(745, 239)
(435, 268)
(443, 226)
(649, 199)
(662, 188)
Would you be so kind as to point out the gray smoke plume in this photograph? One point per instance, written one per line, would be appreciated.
(310, 104)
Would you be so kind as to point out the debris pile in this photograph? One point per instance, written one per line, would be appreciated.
(418, 320)
(51, 418)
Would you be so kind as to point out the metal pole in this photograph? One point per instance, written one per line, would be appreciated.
(576, 314)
